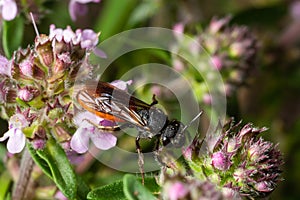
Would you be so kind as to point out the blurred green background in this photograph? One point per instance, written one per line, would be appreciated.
(271, 97)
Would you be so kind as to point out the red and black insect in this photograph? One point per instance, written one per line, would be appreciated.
(111, 103)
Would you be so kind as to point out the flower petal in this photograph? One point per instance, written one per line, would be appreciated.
(81, 118)
(77, 9)
(55, 32)
(6, 135)
(89, 38)
(100, 53)
(122, 85)
(5, 67)
(177, 191)
(80, 141)
(103, 140)
(16, 141)
(68, 34)
(9, 10)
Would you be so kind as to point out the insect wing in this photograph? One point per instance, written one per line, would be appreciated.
(111, 103)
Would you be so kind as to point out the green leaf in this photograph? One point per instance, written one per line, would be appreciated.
(5, 181)
(54, 162)
(143, 11)
(82, 189)
(112, 191)
(134, 190)
(12, 35)
(268, 16)
(114, 16)
(117, 190)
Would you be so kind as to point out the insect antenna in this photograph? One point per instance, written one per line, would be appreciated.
(193, 120)
(34, 25)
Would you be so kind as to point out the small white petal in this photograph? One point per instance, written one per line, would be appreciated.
(68, 34)
(103, 140)
(81, 118)
(6, 135)
(100, 53)
(80, 141)
(18, 121)
(16, 142)
(122, 85)
(9, 10)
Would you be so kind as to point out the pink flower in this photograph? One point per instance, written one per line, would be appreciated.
(16, 138)
(122, 85)
(177, 191)
(87, 38)
(67, 35)
(5, 67)
(217, 62)
(60, 196)
(220, 161)
(9, 9)
(87, 131)
(78, 8)
(295, 10)
(179, 28)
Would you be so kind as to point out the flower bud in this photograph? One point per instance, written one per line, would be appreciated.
(38, 144)
(220, 161)
(27, 93)
(45, 51)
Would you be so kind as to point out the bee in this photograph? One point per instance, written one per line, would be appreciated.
(114, 104)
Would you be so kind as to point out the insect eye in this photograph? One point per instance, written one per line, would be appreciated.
(165, 141)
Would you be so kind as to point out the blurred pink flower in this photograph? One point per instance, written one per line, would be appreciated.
(9, 9)
(78, 8)
(295, 10)
(177, 191)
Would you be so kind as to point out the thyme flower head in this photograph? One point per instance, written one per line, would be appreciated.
(238, 158)
(36, 90)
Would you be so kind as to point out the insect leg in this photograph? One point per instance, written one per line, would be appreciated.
(141, 158)
(104, 128)
(154, 101)
(156, 151)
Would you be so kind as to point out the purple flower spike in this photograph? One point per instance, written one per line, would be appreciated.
(87, 131)
(9, 9)
(16, 138)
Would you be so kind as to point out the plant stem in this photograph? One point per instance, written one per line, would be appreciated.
(24, 187)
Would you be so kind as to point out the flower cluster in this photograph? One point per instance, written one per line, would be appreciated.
(238, 159)
(36, 89)
(177, 186)
(233, 50)
(220, 48)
